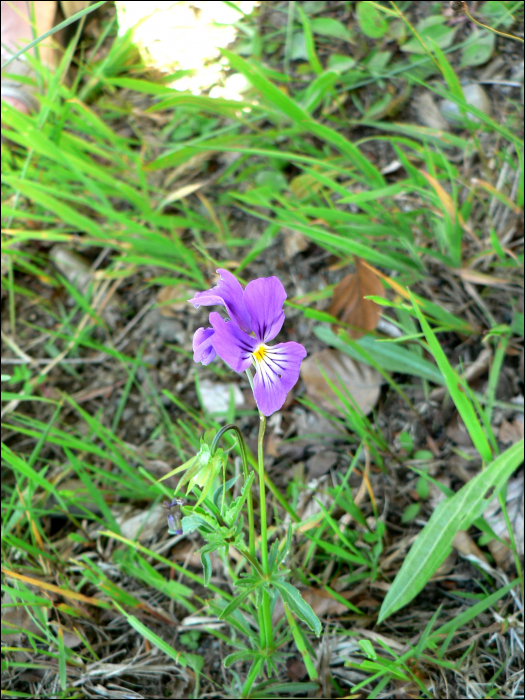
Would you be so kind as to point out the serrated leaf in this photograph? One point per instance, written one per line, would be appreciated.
(299, 606)
(371, 21)
(434, 542)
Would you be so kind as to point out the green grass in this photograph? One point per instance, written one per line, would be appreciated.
(69, 474)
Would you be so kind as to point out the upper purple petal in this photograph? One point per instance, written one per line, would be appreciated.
(228, 293)
(276, 374)
(232, 344)
(203, 350)
(264, 299)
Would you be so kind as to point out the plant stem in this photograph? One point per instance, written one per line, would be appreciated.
(267, 615)
(485, 26)
(246, 471)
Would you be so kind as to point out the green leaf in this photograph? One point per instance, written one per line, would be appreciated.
(478, 50)
(410, 512)
(458, 390)
(310, 43)
(434, 542)
(371, 21)
(391, 356)
(498, 13)
(239, 656)
(340, 63)
(298, 605)
(431, 28)
(330, 27)
(206, 566)
(238, 600)
(194, 661)
(300, 116)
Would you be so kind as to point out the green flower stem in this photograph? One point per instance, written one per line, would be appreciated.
(246, 471)
(267, 615)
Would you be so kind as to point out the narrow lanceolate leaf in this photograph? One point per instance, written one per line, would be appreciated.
(236, 602)
(299, 606)
(455, 385)
(297, 114)
(434, 543)
(206, 566)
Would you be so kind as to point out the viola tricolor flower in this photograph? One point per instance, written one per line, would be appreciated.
(255, 317)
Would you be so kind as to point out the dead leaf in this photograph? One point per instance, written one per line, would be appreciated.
(466, 546)
(173, 300)
(294, 242)
(458, 433)
(321, 462)
(511, 432)
(362, 382)
(448, 204)
(495, 518)
(296, 669)
(481, 278)
(349, 304)
(428, 112)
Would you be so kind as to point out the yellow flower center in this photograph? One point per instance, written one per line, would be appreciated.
(259, 353)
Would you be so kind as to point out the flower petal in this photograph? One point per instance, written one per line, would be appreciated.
(228, 293)
(264, 299)
(203, 350)
(232, 344)
(277, 372)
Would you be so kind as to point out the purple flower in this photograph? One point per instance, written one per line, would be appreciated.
(256, 317)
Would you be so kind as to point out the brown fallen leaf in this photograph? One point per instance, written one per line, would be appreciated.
(349, 304)
(466, 546)
(511, 432)
(173, 300)
(496, 519)
(362, 382)
(296, 669)
(294, 242)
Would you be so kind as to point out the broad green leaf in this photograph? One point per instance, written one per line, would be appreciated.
(371, 21)
(325, 26)
(434, 542)
(340, 63)
(498, 13)
(298, 605)
(478, 50)
(432, 28)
